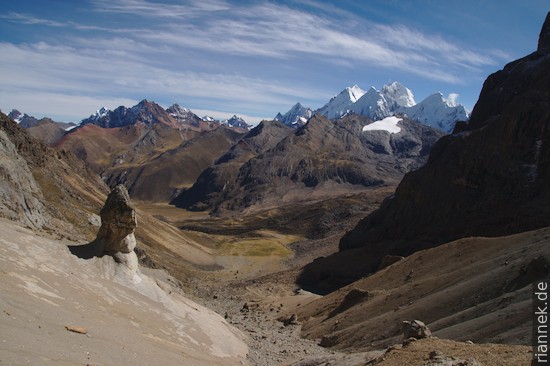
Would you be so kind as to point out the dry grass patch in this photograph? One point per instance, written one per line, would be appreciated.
(260, 243)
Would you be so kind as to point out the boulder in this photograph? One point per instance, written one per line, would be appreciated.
(415, 329)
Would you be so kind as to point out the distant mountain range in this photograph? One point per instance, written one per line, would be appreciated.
(148, 112)
(393, 99)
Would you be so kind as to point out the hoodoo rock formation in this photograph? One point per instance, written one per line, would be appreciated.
(118, 223)
(116, 234)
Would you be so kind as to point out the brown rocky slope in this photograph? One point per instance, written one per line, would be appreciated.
(321, 159)
(155, 160)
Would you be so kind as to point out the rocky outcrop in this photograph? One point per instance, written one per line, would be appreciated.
(118, 223)
(415, 329)
(116, 234)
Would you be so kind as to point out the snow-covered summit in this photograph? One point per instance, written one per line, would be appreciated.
(177, 110)
(398, 94)
(236, 121)
(372, 104)
(209, 119)
(297, 116)
(183, 115)
(438, 112)
(16, 115)
(393, 99)
(339, 105)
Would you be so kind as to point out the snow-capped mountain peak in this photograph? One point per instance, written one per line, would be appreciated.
(339, 104)
(101, 112)
(373, 105)
(236, 121)
(438, 111)
(394, 99)
(209, 119)
(297, 116)
(399, 94)
(16, 115)
(355, 93)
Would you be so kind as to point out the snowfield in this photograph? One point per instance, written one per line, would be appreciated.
(388, 124)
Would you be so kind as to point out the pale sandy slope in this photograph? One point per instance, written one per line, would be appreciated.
(129, 321)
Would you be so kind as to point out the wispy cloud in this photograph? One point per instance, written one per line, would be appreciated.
(279, 31)
(30, 19)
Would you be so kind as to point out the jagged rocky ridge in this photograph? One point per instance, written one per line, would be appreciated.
(322, 156)
(491, 177)
(148, 112)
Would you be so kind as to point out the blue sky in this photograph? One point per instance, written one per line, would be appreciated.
(65, 59)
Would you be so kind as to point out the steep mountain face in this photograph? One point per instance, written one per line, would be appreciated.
(325, 158)
(373, 105)
(436, 111)
(489, 178)
(339, 105)
(209, 190)
(393, 99)
(297, 116)
(42, 187)
(398, 95)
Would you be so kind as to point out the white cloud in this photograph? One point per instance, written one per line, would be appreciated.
(452, 99)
